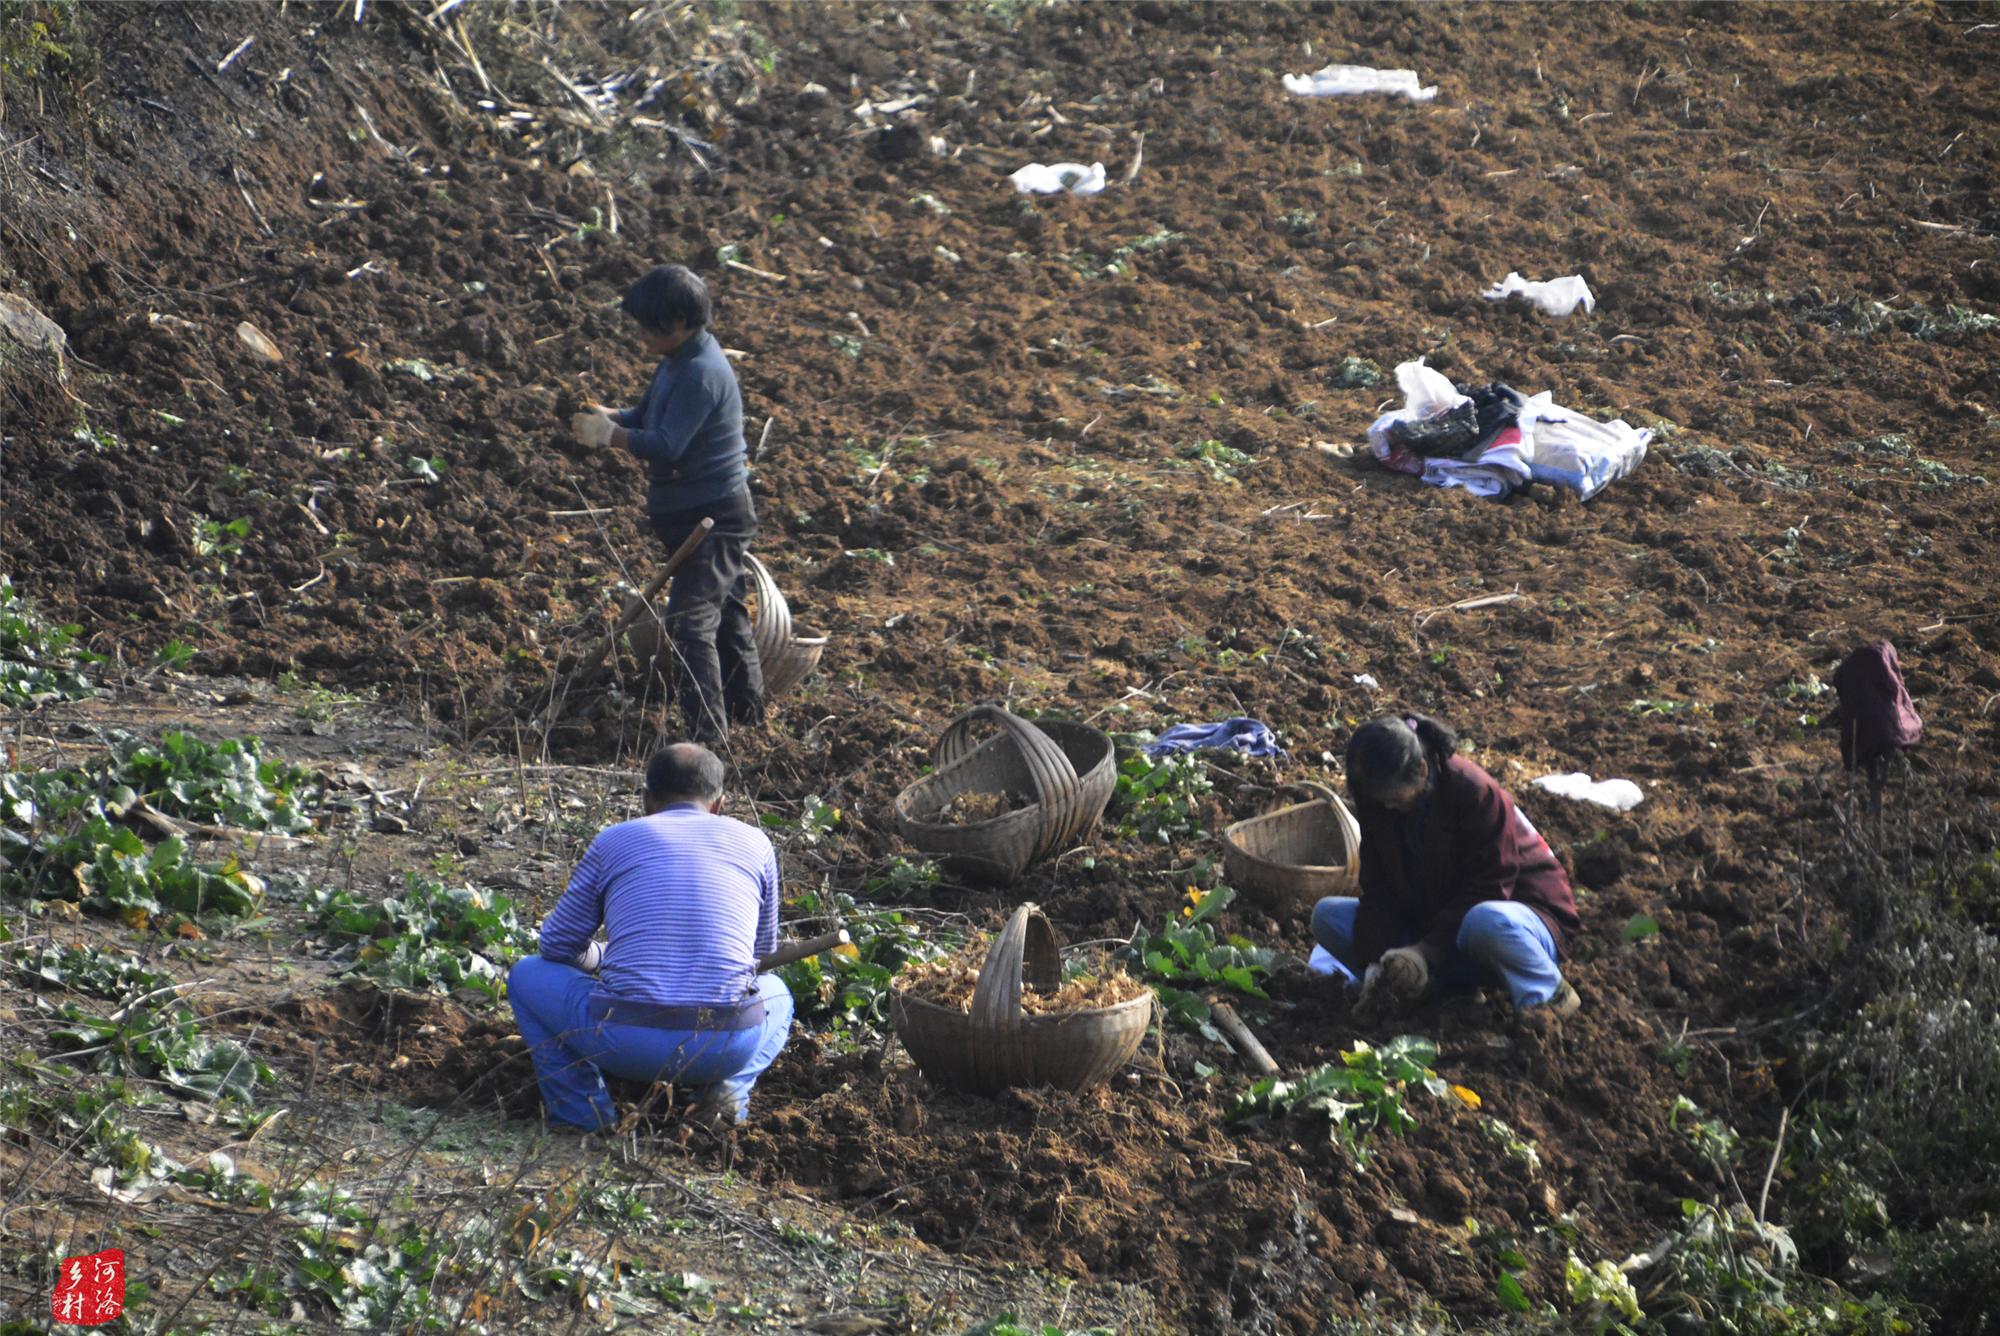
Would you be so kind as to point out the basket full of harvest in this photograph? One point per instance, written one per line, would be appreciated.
(1015, 1020)
(1288, 859)
(990, 808)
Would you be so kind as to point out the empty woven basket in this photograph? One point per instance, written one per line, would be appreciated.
(1288, 859)
(1065, 771)
(787, 653)
(996, 1045)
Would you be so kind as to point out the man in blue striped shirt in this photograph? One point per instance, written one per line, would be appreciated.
(689, 900)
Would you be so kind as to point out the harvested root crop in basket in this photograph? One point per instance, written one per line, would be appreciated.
(950, 983)
(971, 808)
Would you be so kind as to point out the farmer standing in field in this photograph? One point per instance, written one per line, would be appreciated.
(1457, 887)
(689, 900)
(689, 430)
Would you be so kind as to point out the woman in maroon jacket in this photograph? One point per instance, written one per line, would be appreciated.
(1457, 887)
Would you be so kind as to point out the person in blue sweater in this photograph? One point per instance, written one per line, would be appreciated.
(689, 430)
(689, 901)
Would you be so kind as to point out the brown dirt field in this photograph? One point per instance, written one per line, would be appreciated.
(974, 483)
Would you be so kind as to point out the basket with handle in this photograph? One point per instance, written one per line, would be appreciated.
(788, 653)
(1058, 775)
(996, 1045)
(1286, 860)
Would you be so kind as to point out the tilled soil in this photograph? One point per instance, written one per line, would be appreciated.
(984, 478)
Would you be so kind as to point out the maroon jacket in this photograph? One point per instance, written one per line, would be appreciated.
(1875, 714)
(1466, 843)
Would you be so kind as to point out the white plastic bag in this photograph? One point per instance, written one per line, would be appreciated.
(1426, 393)
(1557, 297)
(1054, 178)
(1621, 795)
(1350, 80)
(1567, 449)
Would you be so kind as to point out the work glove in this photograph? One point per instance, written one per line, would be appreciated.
(591, 428)
(592, 957)
(1394, 983)
(1405, 973)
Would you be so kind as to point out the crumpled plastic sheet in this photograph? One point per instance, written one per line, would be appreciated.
(1352, 80)
(1620, 795)
(1054, 178)
(1556, 297)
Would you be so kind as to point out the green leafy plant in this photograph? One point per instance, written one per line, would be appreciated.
(174, 655)
(1663, 708)
(1360, 1095)
(229, 782)
(61, 837)
(432, 938)
(1223, 462)
(816, 820)
(431, 470)
(86, 969)
(219, 540)
(900, 877)
(1605, 1295)
(1639, 927)
(165, 1043)
(1159, 802)
(1355, 373)
(1009, 1325)
(846, 991)
(1188, 955)
(40, 661)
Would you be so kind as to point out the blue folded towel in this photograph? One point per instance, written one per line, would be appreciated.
(1245, 735)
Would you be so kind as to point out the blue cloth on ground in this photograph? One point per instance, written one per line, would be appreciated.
(1245, 735)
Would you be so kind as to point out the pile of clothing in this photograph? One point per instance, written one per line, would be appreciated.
(1493, 440)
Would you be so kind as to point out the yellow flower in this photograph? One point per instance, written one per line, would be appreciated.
(1194, 902)
(1470, 1098)
(847, 951)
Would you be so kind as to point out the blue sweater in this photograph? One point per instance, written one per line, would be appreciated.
(689, 428)
(689, 899)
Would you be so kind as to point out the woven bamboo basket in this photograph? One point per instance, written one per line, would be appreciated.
(788, 653)
(996, 1045)
(1068, 770)
(1288, 859)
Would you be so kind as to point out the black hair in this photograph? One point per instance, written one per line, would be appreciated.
(1391, 752)
(685, 772)
(669, 295)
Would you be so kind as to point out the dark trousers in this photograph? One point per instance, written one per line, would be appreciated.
(708, 619)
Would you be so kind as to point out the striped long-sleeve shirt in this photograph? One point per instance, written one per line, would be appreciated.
(689, 899)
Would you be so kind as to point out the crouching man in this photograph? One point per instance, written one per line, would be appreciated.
(689, 901)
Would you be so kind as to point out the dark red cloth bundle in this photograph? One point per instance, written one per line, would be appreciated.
(1876, 716)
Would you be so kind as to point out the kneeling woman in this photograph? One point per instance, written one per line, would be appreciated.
(1457, 887)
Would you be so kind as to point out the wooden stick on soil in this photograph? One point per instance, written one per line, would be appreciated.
(1470, 604)
(1246, 1043)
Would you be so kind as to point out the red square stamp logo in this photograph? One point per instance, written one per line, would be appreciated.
(90, 1290)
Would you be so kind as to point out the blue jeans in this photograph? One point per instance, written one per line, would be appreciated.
(572, 1051)
(1499, 938)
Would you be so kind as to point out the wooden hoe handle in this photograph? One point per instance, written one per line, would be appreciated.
(634, 607)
